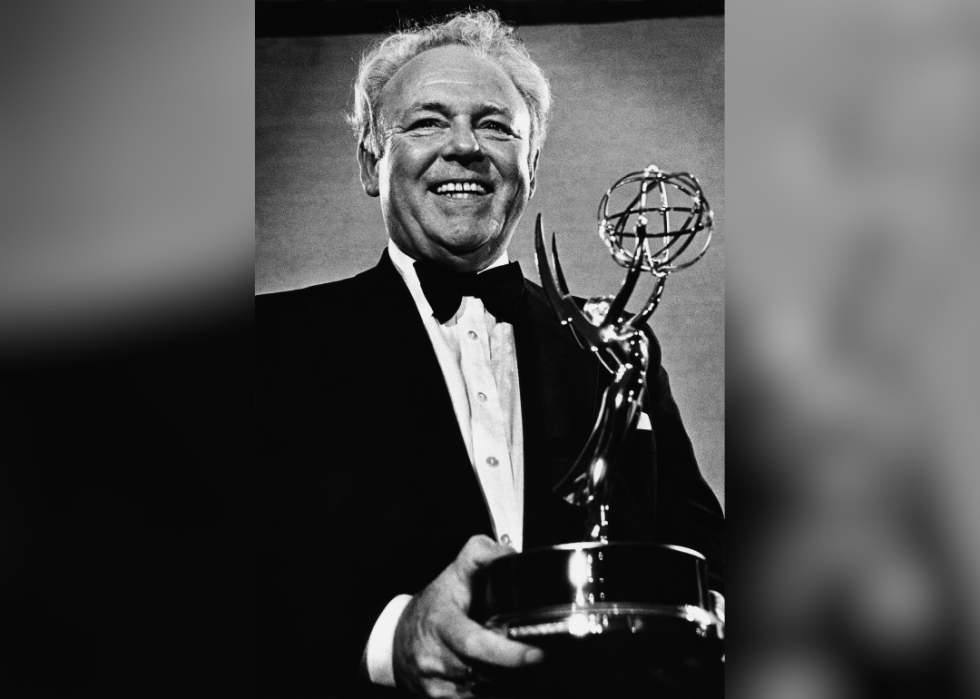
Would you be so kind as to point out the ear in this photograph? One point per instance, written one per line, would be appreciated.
(369, 171)
(533, 173)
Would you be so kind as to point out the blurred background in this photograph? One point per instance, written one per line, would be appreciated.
(126, 243)
(852, 161)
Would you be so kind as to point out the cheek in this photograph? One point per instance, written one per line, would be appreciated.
(520, 180)
(522, 170)
(402, 164)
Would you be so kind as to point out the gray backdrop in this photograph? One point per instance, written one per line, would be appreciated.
(625, 95)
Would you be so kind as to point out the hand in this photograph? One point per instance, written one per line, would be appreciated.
(435, 640)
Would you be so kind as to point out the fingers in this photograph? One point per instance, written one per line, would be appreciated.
(447, 689)
(470, 640)
(478, 552)
(467, 638)
(436, 642)
(443, 675)
(444, 666)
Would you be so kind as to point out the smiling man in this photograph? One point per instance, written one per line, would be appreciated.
(456, 165)
(413, 420)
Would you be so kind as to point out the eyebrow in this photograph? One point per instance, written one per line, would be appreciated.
(441, 108)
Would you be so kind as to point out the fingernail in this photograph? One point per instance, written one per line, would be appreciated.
(534, 655)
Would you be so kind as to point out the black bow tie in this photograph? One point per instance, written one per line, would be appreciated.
(499, 288)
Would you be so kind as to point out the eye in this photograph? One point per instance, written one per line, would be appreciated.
(425, 123)
(496, 126)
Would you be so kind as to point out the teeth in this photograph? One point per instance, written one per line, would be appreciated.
(462, 187)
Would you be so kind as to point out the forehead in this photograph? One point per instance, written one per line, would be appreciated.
(453, 75)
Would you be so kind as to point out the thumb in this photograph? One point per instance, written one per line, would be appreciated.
(478, 552)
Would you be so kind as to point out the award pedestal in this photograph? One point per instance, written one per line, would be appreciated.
(614, 620)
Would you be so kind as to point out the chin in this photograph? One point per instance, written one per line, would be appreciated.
(466, 245)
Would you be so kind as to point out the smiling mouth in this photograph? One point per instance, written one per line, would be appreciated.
(464, 189)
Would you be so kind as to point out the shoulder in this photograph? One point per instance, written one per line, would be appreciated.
(301, 327)
(337, 298)
(537, 296)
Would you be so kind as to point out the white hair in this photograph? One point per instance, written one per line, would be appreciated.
(481, 31)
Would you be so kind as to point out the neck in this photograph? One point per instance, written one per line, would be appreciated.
(457, 264)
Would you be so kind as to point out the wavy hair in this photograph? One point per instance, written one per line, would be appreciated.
(481, 31)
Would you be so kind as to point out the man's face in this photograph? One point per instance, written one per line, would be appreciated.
(455, 176)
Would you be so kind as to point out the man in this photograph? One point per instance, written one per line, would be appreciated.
(414, 419)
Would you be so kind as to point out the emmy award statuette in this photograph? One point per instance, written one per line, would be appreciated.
(615, 619)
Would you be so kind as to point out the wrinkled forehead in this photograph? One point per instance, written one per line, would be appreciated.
(452, 74)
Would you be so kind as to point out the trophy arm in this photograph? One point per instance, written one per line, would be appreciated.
(639, 320)
(563, 306)
(619, 303)
(563, 287)
(608, 359)
(555, 297)
(559, 273)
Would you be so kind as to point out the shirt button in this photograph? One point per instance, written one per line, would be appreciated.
(505, 540)
(492, 461)
(482, 396)
(471, 334)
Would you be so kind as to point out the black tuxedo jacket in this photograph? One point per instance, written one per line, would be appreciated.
(366, 490)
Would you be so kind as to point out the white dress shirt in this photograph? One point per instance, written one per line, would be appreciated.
(478, 359)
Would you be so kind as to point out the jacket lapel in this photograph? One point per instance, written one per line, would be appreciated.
(399, 371)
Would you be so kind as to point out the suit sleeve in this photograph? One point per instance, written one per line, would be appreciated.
(317, 599)
(687, 511)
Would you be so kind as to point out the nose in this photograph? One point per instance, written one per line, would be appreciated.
(462, 142)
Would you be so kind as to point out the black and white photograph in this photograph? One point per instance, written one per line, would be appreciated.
(490, 398)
